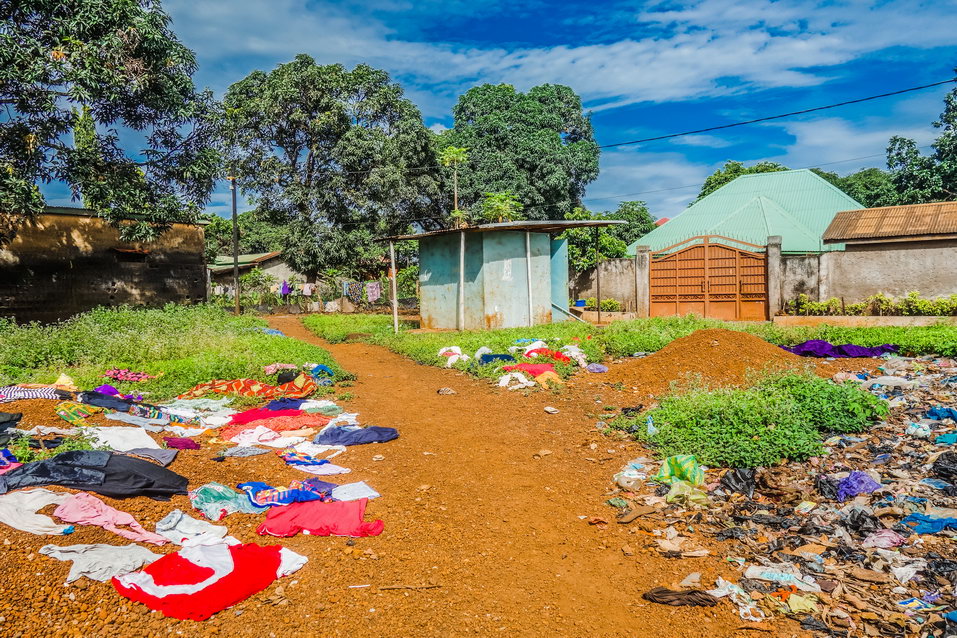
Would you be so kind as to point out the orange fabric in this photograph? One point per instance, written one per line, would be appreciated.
(299, 388)
(278, 424)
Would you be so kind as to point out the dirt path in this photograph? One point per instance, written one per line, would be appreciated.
(467, 506)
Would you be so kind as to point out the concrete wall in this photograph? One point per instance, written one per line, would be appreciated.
(800, 275)
(894, 269)
(559, 267)
(67, 263)
(439, 281)
(507, 283)
(617, 282)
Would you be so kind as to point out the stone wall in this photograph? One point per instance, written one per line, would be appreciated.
(617, 282)
(70, 262)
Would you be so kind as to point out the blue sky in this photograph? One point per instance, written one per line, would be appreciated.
(642, 68)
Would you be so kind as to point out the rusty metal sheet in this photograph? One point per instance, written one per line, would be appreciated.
(911, 221)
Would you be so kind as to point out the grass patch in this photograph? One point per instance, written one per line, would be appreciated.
(622, 338)
(334, 328)
(185, 345)
(20, 447)
(783, 416)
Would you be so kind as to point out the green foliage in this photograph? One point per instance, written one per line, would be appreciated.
(783, 416)
(256, 235)
(407, 281)
(501, 207)
(538, 145)
(640, 222)
(185, 345)
(325, 151)
(453, 156)
(93, 67)
(872, 187)
(922, 178)
(581, 243)
(20, 447)
(607, 305)
(911, 305)
(731, 171)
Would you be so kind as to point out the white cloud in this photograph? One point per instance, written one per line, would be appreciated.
(709, 141)
(713, 47)
(438, 127)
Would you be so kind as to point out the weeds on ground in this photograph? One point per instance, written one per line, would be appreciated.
(182, 345)
(334, 328)
(20, 447)
(783, 416)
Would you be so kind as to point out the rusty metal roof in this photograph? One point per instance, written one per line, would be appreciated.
(532, 226)
(912, 222)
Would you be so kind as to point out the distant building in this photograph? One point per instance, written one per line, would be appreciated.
(662, 221)
(221, 270)
(70, 260)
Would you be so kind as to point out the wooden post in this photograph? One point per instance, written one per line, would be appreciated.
(394, 275)
(597, 275)
(462, 281)
(528, 276)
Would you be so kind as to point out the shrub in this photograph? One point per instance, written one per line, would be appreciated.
(607, 305)
(782, 417)
(911, 304)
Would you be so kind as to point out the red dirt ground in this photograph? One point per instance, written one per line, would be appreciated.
(465, 505)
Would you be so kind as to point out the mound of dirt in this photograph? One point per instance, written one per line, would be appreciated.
(716, 358)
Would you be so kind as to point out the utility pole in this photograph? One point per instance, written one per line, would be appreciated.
(232, 188)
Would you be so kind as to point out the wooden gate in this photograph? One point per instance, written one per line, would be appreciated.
(710, 276)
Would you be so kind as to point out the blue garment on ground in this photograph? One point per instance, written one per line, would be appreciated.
(940, 412)
(320, 369)
(923, 524)
(270, 331)
(354, 435)
(315, 491)
(486, 359)
(285, 404)
(946, 439)
(821, 348)
(856, 483)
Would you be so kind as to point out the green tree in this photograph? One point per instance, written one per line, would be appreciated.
(501, 207)
(581, 242)
(339, 156)
(454, 156)
(920, 178)
(732, 170)
(91, 67)
(640, 222)
(537, 145)
(872, 187)
(256, 235)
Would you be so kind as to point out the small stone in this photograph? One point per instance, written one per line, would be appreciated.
(551, 410)
(425, 487)
(627, 550)
(378, 457)
(541, 453)
(446, 391)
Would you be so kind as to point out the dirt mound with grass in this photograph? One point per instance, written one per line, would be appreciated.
(714, 358)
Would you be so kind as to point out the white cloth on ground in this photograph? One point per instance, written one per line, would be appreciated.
(354, 491)
(143, 422)
(346, 418)
(44, 430)
(100, 562)
(261, 435)
(519, 379)
(179, 430)
(19, 511)
(122, 439)
(319, 450)
(185, 530)
(322, 469)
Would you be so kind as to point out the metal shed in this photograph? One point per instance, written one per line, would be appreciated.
(502, 275)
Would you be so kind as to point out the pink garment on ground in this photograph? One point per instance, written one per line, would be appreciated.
(533, 369)
(86, 509)
(256, 414)
(12, 466)
(545, 352)
(341, 518)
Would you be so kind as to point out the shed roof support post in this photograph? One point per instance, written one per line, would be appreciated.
(597, 275)
(394, 275)
(528, 276)
(462, 281)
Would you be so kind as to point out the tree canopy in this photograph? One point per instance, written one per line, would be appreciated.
(613, 241)
(920, 178)
(640, 222)
(538, 145)
(339, 156)
(256, 235)
(92, 68)
(731, 171)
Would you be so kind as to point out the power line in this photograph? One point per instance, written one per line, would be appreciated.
(782, 115)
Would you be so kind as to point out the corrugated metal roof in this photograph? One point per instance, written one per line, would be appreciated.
(913, 221)
(797, 205)
(244, 260)
(537, 226)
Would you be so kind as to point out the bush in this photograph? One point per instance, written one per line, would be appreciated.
(183, 345)
(912, 305)
(335, 327)
(782, 417)
(607, 305)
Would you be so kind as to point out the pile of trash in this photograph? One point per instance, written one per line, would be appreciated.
(531, 357)
(128, 462)
(858, 542)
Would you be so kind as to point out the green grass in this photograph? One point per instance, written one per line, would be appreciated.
(187, 344)
(783, 416)
(334, 328)
(623, 338)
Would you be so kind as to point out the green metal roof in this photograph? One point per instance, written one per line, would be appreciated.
(797, 205)
(244, 260)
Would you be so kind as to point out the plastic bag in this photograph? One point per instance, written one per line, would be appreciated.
(740, 480)
(946, 466)
(681, 467)
(684, 492)
(856, 483)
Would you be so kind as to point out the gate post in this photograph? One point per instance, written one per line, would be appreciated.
(775, 275)
(642, 281)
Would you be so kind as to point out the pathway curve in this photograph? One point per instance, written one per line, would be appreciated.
(467, 507)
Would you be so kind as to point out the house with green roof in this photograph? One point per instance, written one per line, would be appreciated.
(221, 270)
(795, 205)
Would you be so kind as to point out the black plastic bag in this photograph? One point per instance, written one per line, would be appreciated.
(946, 466)
(740, 480)
(858, 520)
(827, 487)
